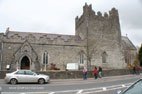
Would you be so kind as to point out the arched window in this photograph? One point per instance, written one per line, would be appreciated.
(104, 57)
(45, 58)
(81, 58)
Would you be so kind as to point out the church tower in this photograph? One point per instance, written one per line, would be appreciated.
(98, 25)
(102, 35)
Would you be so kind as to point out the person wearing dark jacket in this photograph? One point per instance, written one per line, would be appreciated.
(100, 72)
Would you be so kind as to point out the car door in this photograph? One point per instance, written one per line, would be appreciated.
(20, 76)
(30, 76)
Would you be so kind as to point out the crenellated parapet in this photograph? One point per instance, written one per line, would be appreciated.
(87, 9)
(113, 12)
(89, 14)
(42, 38)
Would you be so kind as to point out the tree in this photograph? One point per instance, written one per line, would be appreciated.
(140, 55)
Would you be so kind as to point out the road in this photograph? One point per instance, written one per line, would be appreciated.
(105, 85)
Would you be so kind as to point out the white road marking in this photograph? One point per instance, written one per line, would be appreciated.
(94, 90)
(104, 88)
(52, 93)
(22, 93)
(89, 90)
(123, 85)
(79, 92)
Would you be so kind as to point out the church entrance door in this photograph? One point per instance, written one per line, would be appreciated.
(25, 63)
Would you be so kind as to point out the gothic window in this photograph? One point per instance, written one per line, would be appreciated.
(45, 58)
(81, 58)
(104, 57)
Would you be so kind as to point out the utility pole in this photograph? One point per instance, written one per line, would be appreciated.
(1, 56)
(87, 44)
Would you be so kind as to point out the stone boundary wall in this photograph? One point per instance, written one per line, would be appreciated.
(77, 74)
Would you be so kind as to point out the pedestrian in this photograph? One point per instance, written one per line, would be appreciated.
(134, 70)
(84, 73)
(95, 72)
(100, 72)
(137, 70)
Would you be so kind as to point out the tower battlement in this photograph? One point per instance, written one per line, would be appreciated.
(88, 13)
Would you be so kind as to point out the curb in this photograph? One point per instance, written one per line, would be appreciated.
(103, 78)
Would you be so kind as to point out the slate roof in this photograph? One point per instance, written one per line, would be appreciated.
(126, 43)
(39, 35)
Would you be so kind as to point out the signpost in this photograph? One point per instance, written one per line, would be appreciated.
(72, 66)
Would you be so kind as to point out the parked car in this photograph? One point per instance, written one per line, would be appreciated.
(26, 76)
(135, 88)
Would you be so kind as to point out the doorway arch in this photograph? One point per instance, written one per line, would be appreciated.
(25, 63)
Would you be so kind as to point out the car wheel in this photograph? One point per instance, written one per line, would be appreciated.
(13, 81)
(41, 81)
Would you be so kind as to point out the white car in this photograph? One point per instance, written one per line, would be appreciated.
(26, 76)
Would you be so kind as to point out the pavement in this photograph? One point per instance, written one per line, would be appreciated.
(108, 78)
(101, 79)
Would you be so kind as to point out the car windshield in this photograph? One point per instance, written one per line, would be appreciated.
(135, 89)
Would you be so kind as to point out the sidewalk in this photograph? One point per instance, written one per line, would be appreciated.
(103, 78)
(108, 78)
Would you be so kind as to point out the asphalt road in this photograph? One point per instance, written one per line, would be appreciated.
(105, 85)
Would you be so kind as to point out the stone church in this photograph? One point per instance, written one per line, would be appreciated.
(97, 42)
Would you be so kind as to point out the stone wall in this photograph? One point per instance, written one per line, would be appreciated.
(77, 74)
(103, 35)
(57, 54)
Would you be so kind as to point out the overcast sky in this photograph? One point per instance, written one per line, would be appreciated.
(58, 16)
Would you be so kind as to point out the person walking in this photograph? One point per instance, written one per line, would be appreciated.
(95, 72)
(134, 70)
(100, 72)
(84, 73)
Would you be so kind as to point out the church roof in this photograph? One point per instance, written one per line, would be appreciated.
(127, 44)
(40, 35)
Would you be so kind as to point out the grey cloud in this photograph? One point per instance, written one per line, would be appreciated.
(140, 1)
(131, 16)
